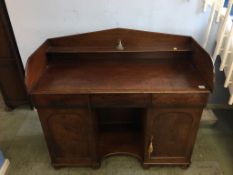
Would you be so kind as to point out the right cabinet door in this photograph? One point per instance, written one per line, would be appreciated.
(170, 135)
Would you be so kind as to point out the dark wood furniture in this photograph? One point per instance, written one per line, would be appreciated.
(11, 69)
(120, 91)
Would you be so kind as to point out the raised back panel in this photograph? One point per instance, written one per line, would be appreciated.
(130, 38)
(104, 45)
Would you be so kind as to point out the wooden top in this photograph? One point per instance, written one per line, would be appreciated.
(75, 65)
(107, 76)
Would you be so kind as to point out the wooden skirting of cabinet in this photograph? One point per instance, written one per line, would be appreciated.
(104, 93)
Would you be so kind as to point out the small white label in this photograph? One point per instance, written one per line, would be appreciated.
(201, 86)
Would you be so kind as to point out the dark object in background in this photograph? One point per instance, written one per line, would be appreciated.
(220, 96)
(11, 69)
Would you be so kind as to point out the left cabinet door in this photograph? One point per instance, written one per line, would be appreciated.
(70, 136)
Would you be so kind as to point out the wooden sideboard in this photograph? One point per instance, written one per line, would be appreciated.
(120, 92)
(12, 84)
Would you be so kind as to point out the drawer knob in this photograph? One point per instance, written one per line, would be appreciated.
(150, 148)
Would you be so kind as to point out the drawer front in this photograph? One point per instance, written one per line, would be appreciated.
(179, 99)
(137, 100)
(60, 100)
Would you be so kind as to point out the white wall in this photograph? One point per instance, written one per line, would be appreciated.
(35, 20)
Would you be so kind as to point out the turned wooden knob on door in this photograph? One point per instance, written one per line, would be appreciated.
(150, 147)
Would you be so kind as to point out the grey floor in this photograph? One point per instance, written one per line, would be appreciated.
(22, 141)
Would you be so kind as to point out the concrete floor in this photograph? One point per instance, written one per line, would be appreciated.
(22, 141)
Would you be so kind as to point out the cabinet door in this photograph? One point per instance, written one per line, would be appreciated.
(170, 134)
(69, 135)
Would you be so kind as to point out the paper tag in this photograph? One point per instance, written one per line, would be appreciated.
(201, 86)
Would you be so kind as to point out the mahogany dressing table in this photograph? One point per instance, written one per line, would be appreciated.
(120, 92)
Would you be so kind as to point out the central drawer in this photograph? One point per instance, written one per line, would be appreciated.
(120, 100)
